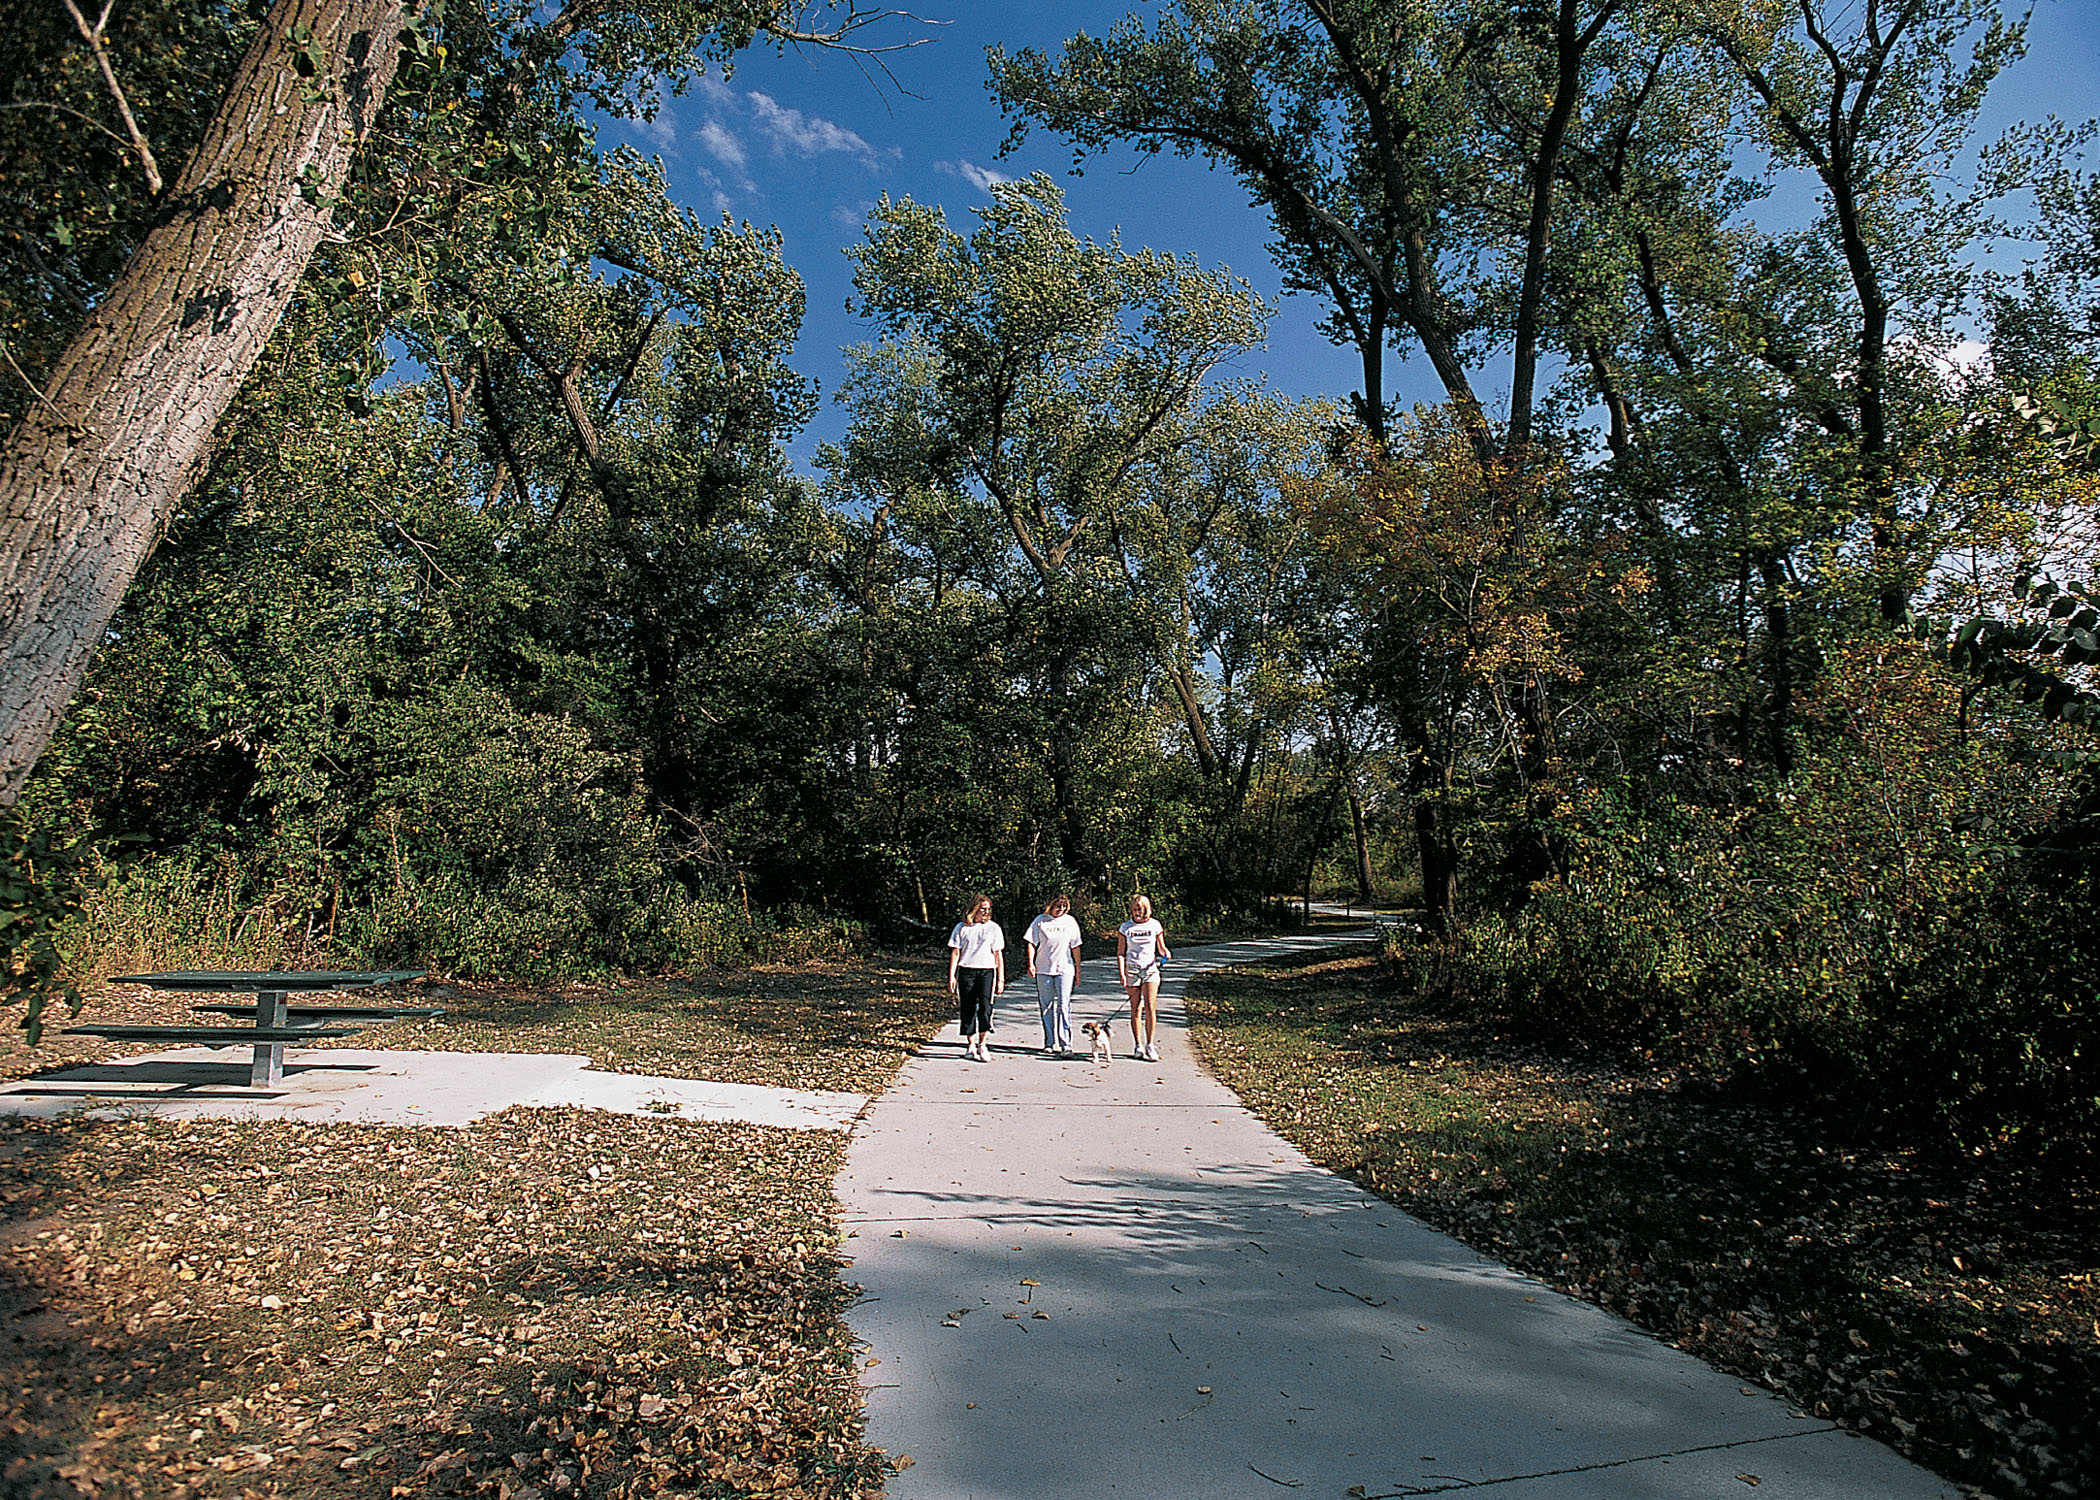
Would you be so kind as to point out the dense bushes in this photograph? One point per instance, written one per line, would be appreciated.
(1899, 928)
(184, 912)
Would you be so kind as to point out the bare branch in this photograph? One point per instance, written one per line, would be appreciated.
(23, 376)
(64, 110)
(92, 35)
(855, 19)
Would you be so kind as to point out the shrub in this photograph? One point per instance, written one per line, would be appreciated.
(1859, 934)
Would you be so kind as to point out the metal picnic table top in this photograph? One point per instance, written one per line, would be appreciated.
(264, 982)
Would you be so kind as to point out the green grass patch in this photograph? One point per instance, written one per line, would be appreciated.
(1946, 1305)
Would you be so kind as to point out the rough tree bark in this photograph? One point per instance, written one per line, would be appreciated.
(1360, 834)
(120, 430)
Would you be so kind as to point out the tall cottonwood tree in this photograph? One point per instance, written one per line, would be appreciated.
(118, 426)
(1037, 378)
(1353, 125)
(121, 424)
(1409, 157)
(1877, 101)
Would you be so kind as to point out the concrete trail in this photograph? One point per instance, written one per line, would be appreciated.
(1084, 1281)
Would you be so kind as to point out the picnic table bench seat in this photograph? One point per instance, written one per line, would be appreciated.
(211, 1036)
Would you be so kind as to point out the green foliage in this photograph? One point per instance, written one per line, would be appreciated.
(2074, 434)
(1868, 933)
(441, 671)
(44, 874)
(2013, 653)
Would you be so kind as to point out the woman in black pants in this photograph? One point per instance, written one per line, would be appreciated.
(976, 973)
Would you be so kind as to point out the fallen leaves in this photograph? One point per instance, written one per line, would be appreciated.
(547, 1305)
(1949, 1308)
(671, 1338)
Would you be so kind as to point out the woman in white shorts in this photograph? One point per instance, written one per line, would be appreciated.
(1141, 945)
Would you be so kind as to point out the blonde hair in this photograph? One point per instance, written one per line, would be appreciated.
(976, 900)
(1060, 899)
(1142, 905)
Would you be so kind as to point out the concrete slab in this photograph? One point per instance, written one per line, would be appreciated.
(1084, 1281)
(369, 1087)
(694, 1099)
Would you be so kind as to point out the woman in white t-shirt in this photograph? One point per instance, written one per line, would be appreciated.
(1141, 945)
(976, 973)
(1053, 962)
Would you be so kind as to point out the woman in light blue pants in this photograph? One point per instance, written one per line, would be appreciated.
(1053, 959)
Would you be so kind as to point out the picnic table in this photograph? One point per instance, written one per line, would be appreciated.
(273, 1022)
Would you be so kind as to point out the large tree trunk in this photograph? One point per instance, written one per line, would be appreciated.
(1437, 848)
(1779, 663)
(1436, 842)
(1074, 838)
(123, 426)
(1361, 835)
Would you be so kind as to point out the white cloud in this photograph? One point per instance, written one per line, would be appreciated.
(661, 132)
(721, 143)
(1961, 360)
(984, 179)
(723, 204)
(1967, 355)
(850, 216)
(805, 135)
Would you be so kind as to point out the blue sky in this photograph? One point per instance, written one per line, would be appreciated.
(808, 141)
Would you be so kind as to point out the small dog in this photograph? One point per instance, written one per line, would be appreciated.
(1101, 1036)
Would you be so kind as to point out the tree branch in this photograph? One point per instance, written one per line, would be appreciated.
(92, 35)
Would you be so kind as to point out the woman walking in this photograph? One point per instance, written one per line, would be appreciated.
(1053, 962)
(976, 973)
(1141, 945)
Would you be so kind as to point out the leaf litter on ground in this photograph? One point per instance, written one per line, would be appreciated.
(549, 1303)
(1945, 1304)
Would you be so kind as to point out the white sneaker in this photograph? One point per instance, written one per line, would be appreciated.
(1151, 1052)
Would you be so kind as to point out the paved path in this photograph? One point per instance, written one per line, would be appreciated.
(1085, 1281)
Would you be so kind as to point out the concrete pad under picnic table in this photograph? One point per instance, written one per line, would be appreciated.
(367, 1086)
(697, 1099)
(1083, 1281)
